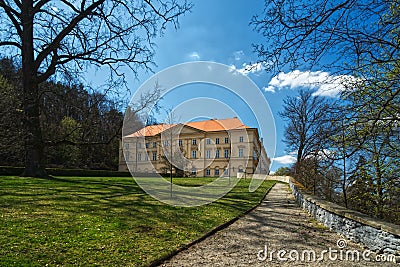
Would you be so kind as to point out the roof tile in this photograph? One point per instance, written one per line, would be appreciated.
(206, 125)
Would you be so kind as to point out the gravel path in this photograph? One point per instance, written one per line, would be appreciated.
(277, 224)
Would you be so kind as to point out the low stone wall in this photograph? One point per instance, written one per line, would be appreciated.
(284, 179)
(376, 235)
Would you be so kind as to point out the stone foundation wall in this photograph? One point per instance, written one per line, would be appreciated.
(376, 235)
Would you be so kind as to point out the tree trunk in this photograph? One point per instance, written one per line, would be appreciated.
(33, 135)
(344, 182)
(298, 163)
(379, 189)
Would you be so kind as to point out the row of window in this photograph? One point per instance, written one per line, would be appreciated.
(208, 141)
(216, 172)
(194, 154)
(139, 156)
(217, 153)
(180, 142)
(139, 145)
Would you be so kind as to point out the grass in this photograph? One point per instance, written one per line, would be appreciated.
(102, 221)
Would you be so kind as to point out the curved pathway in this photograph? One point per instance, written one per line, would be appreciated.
(277, 224)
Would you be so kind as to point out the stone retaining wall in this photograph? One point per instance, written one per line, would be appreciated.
(284, 179)
(376, 235)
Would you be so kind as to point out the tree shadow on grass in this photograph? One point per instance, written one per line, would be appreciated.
(119, 199)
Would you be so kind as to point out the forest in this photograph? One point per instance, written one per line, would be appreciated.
(81, 127)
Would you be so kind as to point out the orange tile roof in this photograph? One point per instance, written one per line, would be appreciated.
(207, 126)
(151, 130)
(217, 125)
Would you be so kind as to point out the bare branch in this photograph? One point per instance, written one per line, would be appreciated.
(39, 5)
(73, 23)
(10, 43)
(13, 15)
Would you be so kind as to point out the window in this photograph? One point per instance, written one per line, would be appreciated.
(154, 156)
(255, 155)
(208, 172)
(216, 172)
(208, 154)
(154, 144)
(180, 143)
(241, 139)
(127, 146)
(226, 172)
(139, 145)
(217, 154)
(226, 140)
(241, 153)
(127, 155)
(193, 171)
(139, 157)
(147, 145)
(217, 141)
(194, 142)
(240, 169)
(166, 143)
(208, 141)
(146, 157)
(194, 154)
(226, 153)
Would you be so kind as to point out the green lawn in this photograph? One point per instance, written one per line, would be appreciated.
(102, 221)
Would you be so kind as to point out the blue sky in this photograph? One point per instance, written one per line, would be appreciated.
(219, 31)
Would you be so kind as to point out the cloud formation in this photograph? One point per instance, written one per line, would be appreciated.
(250, 68)
(193, 56)
(323, 82)
(238, 54)
(286, 159)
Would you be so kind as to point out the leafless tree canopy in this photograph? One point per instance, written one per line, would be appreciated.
(308, 120)
(343, 35)
(113, 33)
(51, 36)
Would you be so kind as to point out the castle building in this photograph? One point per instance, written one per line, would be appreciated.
(209, 148)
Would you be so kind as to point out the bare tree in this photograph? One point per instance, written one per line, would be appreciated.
(360, 38)
(355, 37)
(54, 36)
(347, 34)
(308, 119)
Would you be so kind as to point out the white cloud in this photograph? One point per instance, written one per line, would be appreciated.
(286, 159)
(323, 82)
(250, 68)
(269, 89)
(238, 54)
(193, 56)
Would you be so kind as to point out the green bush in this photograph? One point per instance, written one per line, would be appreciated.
(8, 170)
